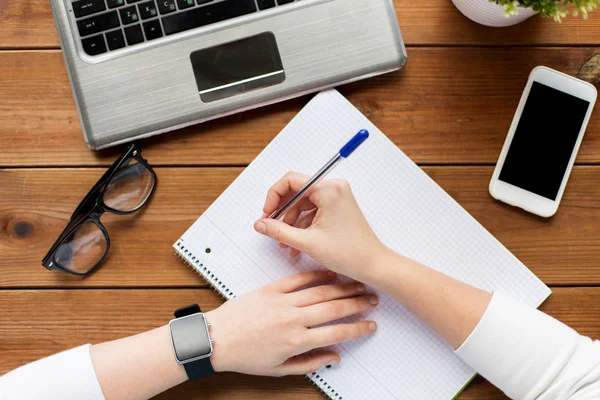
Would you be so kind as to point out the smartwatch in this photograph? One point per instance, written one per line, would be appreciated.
(191, 341)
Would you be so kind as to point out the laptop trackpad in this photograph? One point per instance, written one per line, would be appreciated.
(237, 67)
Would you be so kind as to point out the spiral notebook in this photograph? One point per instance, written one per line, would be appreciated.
(407, 210)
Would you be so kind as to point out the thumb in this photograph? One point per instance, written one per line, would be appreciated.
(283, 233)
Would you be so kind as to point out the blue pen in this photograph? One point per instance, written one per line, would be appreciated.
(344, 153)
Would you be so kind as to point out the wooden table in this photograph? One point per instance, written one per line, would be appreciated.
(449, 110)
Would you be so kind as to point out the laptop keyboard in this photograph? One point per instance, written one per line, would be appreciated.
(107, 25)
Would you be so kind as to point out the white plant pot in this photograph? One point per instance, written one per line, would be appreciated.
(491, 14)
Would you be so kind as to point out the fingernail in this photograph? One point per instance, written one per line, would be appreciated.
(360, 287)
(373, 300)
(372, 326)
(331, 274)
(260, 227)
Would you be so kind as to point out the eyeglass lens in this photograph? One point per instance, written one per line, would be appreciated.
(130, 186)
(82, 249)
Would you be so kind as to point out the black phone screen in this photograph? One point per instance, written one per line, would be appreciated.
(541, 148)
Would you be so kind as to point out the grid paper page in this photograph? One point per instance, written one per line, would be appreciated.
(407, 210)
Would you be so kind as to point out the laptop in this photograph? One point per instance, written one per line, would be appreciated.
(143, 67)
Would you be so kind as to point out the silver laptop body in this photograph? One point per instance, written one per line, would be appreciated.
(175, 78)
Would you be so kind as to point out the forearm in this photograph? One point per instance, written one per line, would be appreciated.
(137, 367)
(450, 307)
(521, 350)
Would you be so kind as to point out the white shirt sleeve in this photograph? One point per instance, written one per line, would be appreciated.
(530, 355)
(68, 375)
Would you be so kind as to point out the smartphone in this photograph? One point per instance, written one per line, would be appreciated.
(543, 141)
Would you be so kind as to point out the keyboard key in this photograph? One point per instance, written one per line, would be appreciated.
(147, 10)
(87, 7)
(206, 15)
(94, 45)
(264, 4)
(281, 2)
(99, 23)
(115, 39)
(129, 15)
(200, 2)
(115, 3)
(152, 29)
(166, 6)
(183, 4)
(132, 1)
(134, 34)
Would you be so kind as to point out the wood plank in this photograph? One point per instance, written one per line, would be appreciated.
(36, 204)
(426, 22)
(38, 323)
(27, 24)
(449, 105)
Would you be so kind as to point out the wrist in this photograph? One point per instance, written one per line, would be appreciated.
(383, 268)
(165, 345)
(219, 359)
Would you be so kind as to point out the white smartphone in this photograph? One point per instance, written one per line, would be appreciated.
(543, 141)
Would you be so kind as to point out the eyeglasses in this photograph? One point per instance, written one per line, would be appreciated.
(123, 189)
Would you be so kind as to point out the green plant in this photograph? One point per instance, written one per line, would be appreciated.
(557, 9)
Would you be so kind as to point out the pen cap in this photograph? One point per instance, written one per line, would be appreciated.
(353, 144)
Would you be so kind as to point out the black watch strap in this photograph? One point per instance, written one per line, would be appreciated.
(199, 368)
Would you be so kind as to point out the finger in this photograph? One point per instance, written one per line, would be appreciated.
(323, 313)
(283, 233)
(340, 333)
(307, 219)
(324, 293)
(328, 192)
(308, 362)
(305, 222)
(291, 217)
(289, 184)
(298, 281)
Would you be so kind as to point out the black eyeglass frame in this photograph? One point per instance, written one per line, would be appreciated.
(92, 207)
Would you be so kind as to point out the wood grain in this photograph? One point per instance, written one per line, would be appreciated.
(36, 204)
(27, 24)
(448, 106)
(425, 22)
(38, 323)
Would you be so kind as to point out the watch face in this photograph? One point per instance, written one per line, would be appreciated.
(190, 337)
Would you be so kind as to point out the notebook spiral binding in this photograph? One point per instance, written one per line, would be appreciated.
(186, 256)
(190, 259)
(323, 386)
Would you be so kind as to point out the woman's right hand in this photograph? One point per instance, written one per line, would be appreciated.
(328, 225)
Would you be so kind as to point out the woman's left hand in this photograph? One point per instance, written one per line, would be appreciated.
(268, 331)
